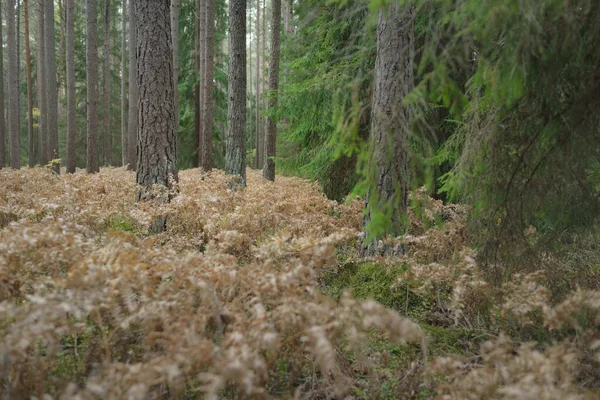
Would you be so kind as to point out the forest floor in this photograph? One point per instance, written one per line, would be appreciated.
(260, 293)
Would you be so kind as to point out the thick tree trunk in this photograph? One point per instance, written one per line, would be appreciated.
(258, 142)
(71, 102)
(157, 155)
(42, 90)
(132, 141)
(52, 93)
(235, 155)
(124, 137)
(208, 90)
(390, 119)
(201, 5)
(92, 164)
(30, 140)
(107, 136)
(271, 134)
(13, 87)
(175, 46)
(2, 122)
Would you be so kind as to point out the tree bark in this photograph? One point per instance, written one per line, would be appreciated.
(390, 119)
(287, 16)
(175, 45)
(107, 136)
(52, 93)
(235, 155)
(62, 60)
(208, 89)
(258, 146)
(2, 122)
(157, 155)
(13, 87)
(92, 164)
(201, 5)
(124, 137)
(42, 91)
(30, 141)
(71, 102)
(132, 141)
(264, 85)
(271, 134)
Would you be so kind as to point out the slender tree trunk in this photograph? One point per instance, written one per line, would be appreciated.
(124, 137)
(62, 58)
(287, 16)
(257, 165)
(201, 4)
(208, 90)
(13, 87)
(271, 134)
(92, 86)
(133, 90)
(157, 155)
(52, 93)
(107, 136)
(196, 156)
(18, 32)
(235, 157)
(390, 119)
(175, 45)
(42, 90)
(264, 86)
(71, 102)
(2, 122)
(30, 140)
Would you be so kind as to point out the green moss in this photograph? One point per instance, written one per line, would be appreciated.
(121, 222)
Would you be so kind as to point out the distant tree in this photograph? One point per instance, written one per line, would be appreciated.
(235, 157)
(387, 196)
(2, 122)
(41, 86)
(124, 141)
(71, 103)
(107, 140)
(271, 133)
(92, 89)
(13, 87)
(52, 91)
(132, 141)
(208, 89)
(157, 155)
(30, 139)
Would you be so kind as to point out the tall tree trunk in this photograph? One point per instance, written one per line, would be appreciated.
(92, 86)
(197, 132)
(388, 163)
(175, 45)
(30, 141)
(62, 58)
(257, 165)
(18, 32)
(2, 122)
(201, 5)
(288, 13)
(107, 136)
(235, 155)
(132, 141)
(157, 155)
(42, 90)
(71, 102)
(271, 134)
(124, 137)
(264, 82)
(208, 90)
(13, 87)
(52, 93)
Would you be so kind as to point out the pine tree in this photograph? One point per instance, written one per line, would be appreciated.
(175, 45)
(107, 141)
(13, 87)
(208, 89)
(52, 91)
(30, 139)
(132, 141)
(2, 122)
(124, 136)
(271, 133)
(71, 101)
(41, 86)
(201, 10)
(92, 164)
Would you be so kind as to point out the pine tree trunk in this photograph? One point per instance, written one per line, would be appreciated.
(18, 32)
(71, 102)
(13, 87)
(157, 155)
(264, 86)
(92, 164)
(124, 137)
(175, 46)
(2, 122)
(30, 140)
(235, 155)
(201, 5)
(287, 16)
(52, 93)
(107, 136)
(208, 90)
(257, 165)
(271, 134)
(132, 141)
(42, 90)
(62, 58)
(390, 121)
